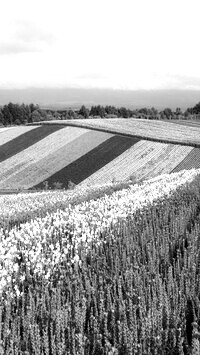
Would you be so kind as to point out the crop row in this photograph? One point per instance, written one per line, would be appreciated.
(123, 166)
(36, 241)
(142, 161)
(190, 123)
(93, 160)
(20, 208)
(192, 160)
(21, 165)
(134, 289)
(144, 129)
(26, 140)
(166, 161)
(3, 129)
(14, 132)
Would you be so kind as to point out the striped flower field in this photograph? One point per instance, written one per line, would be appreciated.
(142, 161)
(155, 130)
(54, 155)
(110, 266)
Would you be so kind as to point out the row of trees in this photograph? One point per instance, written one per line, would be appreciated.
(115, 112)
(150, 113)
(19, 114)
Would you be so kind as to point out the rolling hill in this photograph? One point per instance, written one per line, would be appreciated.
(102, 268)
(89, 152)
(154, 130)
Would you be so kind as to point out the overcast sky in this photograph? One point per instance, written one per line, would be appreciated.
(120, 44)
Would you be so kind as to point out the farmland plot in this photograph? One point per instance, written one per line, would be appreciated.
(143, 160)
(14, 132)
(192, 160)
(59, 153)
(169, 158)
(3, 129)
(26, 140)
(190, 123)
(48, 156)
(93, 160)
(145, 129)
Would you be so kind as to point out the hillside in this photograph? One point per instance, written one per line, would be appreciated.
(158, 131)
(91, 152)
(108, 268)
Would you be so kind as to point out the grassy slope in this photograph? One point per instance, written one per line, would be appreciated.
(42, 167)
(155, 130)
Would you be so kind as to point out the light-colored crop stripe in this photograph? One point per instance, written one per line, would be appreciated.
(56, 159)
(143, 160)
(3, 129)
(40, 150)
(14, 132)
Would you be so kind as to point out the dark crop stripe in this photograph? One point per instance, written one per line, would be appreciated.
(25, 140)
(192, 160)
(33, 174)
(89, 163)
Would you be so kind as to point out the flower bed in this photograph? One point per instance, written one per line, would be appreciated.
(43, 243)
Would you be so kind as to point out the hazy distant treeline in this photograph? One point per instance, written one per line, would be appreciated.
(16, 114)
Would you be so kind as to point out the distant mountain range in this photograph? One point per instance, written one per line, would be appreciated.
(75, 97)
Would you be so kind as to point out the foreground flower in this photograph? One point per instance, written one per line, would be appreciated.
(41, 245)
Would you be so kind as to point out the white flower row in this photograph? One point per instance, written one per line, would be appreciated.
(43, 243)
(29, 204)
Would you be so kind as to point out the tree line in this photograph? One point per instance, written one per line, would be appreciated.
(16, 114)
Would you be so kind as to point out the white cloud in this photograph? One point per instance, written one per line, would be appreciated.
(108, 43)
(24, 36)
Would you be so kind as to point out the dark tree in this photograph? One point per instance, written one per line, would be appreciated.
(2, 121)
(7, 115)
(83, 112)
(123, 112)
(39, 115)
(168, 113)
(17, 112)
(70, 114)
(97, 111)
(33, 107)
(196, 109)
(111, 110)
